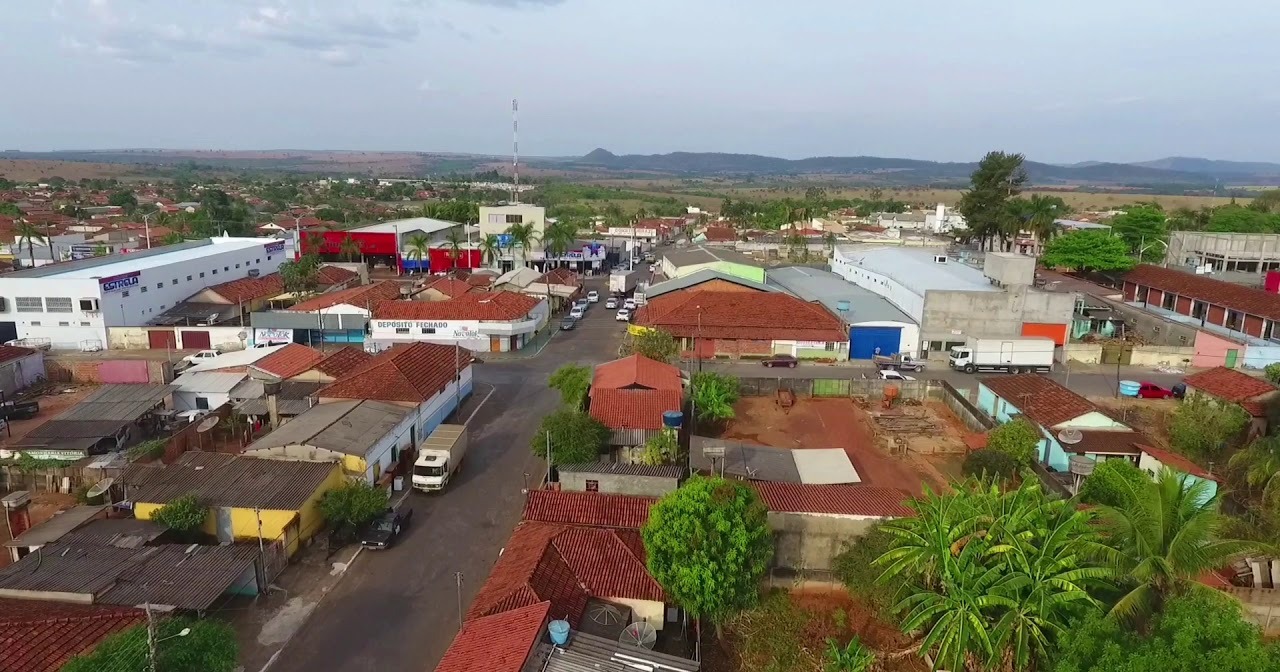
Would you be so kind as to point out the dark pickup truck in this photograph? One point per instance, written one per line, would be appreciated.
(386, 530)
(19, 410)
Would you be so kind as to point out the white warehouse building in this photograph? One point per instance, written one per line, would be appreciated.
(74, 303)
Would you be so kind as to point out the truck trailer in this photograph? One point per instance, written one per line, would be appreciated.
(623, 282)
(1011, 355)
(440, 457)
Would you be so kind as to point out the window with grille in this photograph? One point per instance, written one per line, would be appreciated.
(58, 304)
(28, 304)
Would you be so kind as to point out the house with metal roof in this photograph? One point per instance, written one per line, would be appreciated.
(366, 437)
(204, 390)
(247, 497)
(100, 423)
(699, 257)
(707, 279)
(876, 326)
(623, 479)
(749, 462)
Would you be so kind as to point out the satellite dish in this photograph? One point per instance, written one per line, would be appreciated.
(1070, 436)
(639, 634)
(605, 614)
(207, 424)
(99, 488)
(1079, 465)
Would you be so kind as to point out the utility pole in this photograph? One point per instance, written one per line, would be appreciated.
(151, 639)
(548, 456)
(457, 577)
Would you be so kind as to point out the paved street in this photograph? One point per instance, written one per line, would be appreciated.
(397, 609)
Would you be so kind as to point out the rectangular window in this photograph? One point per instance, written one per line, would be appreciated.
(202, 275)
(35, 323)
(225, 268)
(85, 324)
(28, 304)
(515, 219)
(58, 304)
(175, 280)
(402, 330)
(159, 285)
(237, 265)
(1168, 301)
(593, 486)
(202, 403)
(428, 330)
(64, 324)
(144, 289)
(496, 219)
(1198, 309)
(188, 278)
(125, 293)
(830, 347)
(215, 272)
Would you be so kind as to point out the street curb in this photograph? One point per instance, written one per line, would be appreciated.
(285, 644)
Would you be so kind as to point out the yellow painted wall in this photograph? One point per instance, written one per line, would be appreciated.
(244, 522)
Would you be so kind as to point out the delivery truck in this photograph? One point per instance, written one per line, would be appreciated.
(623, 282)
(440, 457)
(1012, 355)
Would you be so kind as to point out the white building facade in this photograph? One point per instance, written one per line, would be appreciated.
(475, 335)
(74, 303)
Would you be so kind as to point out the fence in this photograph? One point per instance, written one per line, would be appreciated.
(72, 369)
(972, 416)
(839, 387)
(1261, 607)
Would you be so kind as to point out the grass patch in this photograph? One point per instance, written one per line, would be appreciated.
(773, 637)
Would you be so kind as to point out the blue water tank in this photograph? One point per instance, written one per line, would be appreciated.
(672, 419)
(1129, 388)
(559, 631)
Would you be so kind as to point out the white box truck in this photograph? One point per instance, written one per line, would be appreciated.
(622, 282)
(1012, 355)
(440, 457)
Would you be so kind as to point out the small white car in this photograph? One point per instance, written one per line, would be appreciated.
(578, 312)
(202, 356)
(629, 304)
(623, 315)
(611, 302)
(593, 296)
(890, 374)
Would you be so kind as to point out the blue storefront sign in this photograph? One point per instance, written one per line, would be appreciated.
(116, 283)
(505, 240)
(274, 247)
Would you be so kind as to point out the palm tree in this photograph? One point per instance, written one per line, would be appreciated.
(455, 241)
(350, 248)
(524, 236)
(418, 245)
(489, 248)
(1162, 540)
(1260, 462)
(829, 239)
(558, 238)
(27, 231)
(1040, 215)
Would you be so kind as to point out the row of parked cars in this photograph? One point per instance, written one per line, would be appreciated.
(625, 307)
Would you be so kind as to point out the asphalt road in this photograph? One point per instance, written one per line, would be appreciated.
(397, 609)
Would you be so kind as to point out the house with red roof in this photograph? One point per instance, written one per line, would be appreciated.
(1255, 395)
(630, 396)
(41, 636)
(479, 321)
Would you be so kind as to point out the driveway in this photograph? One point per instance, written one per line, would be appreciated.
(397, 609)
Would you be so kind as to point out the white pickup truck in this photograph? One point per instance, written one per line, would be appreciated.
(440, 457)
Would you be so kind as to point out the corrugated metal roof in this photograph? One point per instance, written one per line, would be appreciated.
(228, 480)
(916, 270)
(588, 653)
(212, 382)
(699, 254)
(617, 469)
(849, 302)
(57, 526)
(823, 466)
(699, 277)
(349, 427)
(744, 460)
(186, 580)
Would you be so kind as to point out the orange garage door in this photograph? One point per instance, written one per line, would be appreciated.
(1058, 332)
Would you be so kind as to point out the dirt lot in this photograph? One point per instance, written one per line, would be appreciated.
(1149, 416)
(831, 423)
(50, 405)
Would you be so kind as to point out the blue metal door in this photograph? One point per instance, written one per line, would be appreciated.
(863, 341)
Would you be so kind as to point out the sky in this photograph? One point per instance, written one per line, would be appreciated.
(1113, 80)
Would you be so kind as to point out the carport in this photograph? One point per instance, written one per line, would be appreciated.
(100, 423)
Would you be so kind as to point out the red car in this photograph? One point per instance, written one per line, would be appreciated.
(1153, 391)
(780, 360)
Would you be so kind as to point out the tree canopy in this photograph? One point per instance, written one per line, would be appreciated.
(708, 544)
(1017, 438)
(1142, 227)
(575, 437)
(655, 344)
(1202, 427)
(208, 646)
(184, 515)
(353, 504)
(997, 179)
(713, 395)
(1088, 250)
(1113, 483)
(572, 380)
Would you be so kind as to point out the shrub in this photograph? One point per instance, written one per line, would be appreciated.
(1111, 483)
(1272, 372)
(854, 569)
(1017, 439)
(353, 504)
(184, 515)
(987, 463)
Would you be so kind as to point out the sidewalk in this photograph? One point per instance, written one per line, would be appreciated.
(531, 349)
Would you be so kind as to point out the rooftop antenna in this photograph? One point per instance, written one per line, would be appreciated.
(515, 150)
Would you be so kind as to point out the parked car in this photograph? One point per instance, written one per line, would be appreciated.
(568, 323)
(190, 417)
(780, 360)
(269, 344)
(1153, 391)
(629, 304)
(577, 313)
(593, 296)
(202, 356)
(384, 531)
(611, 303)
(889, 374)
(623, 315)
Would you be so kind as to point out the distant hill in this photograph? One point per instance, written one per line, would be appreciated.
(1212, 167)
(898, 170)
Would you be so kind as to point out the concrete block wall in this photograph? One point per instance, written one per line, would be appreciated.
(810, 541)
(991, 314)
(98, 372)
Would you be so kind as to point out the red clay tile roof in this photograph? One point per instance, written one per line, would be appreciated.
(249, 289)
(41, 636)
(11, 352)
(414, 373)
(1107, 441)
(587, 508)
(342, 361)
(560, 276)
(1229, 384)
(498, 643)
(1040, 399)
(480, 279)
(566, 565)
(289, 361)
(1236, 297)
(633, 409)
(636, 371)
(362, 296)
(741, 315)
(1175, 461)
(335, 275)
(483, 306)
(851, 500)
(450, 287)
(720, 233)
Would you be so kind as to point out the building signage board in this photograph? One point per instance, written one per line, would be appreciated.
(83, 251)
(435, 330)
(116, 283)
(272, 335)
(277, 246)
(626, 231)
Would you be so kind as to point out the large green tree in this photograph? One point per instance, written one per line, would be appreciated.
(353, 504)
(1113, 483)
(655, 344)
(1143, 228)
(572, 381)
(1202, 427)
(1038, 215)
(1160, 540)
(184, 515)
(1259, 464)
(985, 205)
(1237, 219)
(1017, 438)
(1087, 251)
(713, 395)
(207, 646)
(991, 578)
(708, 544)
(575, 437)
(1200, 632)
(301, 276)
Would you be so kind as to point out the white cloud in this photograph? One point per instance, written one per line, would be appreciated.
(425, 85)
(339, 57)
